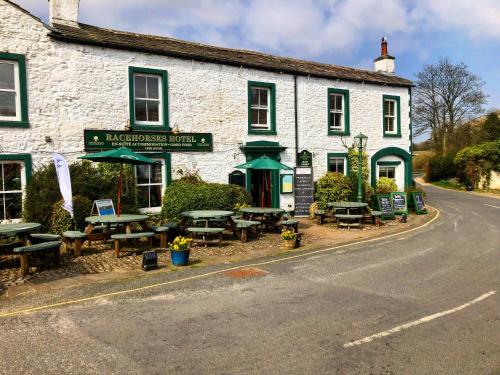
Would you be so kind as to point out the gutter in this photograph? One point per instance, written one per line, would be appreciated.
(295, 101)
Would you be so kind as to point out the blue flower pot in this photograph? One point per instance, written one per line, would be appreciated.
(179, 258)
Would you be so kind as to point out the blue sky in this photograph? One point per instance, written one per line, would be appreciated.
(342, 32)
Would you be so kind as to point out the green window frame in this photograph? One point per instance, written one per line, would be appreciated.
(164, 122)
(271, 108)
(23, 121)
(345, 112)
(167, 176)
(344, 155)
(26, 160)
(397, 112)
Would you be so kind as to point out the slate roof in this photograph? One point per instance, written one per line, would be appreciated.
(87, 34)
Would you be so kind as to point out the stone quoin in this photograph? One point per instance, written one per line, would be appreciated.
(208, 108)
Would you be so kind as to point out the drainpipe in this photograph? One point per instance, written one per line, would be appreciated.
(296, 119)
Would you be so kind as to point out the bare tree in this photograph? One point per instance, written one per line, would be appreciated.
(447, 95)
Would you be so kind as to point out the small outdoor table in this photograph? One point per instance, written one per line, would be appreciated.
(266, 215)
(348, 218)
(21, 230)
(125, 220)
(205, 215)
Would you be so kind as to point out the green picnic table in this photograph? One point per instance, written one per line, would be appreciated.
(21, 230)
(266, 215)
(348, 219)
(205, 215)
(126, 220)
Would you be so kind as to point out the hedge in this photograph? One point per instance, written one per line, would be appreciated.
(333, 187)
(477, 162)
(440, 167)
(61, 220)
(182, 196)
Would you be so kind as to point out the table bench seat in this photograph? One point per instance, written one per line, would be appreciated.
(242, 227)
(44, 237)
(50, 246)
(205, 232)
(290, 223)
(130, 236)
(162, 231)
(75, 238)
(347, 220)
(320, 214)
(350, 216)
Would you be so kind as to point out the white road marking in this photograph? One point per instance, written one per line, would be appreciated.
(417, 322)
(491, 205)
(455, 224)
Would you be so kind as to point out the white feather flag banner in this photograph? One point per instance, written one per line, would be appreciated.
(64, 182)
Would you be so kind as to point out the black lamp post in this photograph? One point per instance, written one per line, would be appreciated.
(360, 141)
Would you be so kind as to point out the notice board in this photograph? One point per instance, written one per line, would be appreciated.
(383, 204)
(399, 203)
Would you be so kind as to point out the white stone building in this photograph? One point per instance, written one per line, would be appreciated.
(58, 80)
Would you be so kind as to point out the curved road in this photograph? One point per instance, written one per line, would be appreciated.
(420, 303)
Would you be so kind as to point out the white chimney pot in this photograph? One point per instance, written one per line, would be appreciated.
(64, 11)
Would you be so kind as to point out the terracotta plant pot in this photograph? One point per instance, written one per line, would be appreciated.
(290, 244)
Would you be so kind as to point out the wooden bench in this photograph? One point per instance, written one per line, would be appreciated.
(346, 220)
(50, 247)
(205, 232)
(375, 217)
(290, 223)
(242, 227)
(131, 236)
(43, 237)
(320, 216)
(74, 239)
(162, 231)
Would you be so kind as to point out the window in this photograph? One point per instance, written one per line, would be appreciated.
(15, 171)
(338, 112)
(261, 108)
(385, 171)
(148, 98)
(149, 180)
(391, 116)
(337, 162)
(13, 96)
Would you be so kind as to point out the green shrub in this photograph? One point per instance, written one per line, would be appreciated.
(61, 220)
(440, 167)
(181, 196)
(333, 187)
(87, 180)
(476, 162)
(385, 185)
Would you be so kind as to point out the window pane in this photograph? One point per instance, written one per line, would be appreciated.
(255, 116)
(390, 124)
(386, 107)
(140, 110)
(153, 92)
(7, 76)
(262, 117)
(7, 104)
(2, 211)
(153, 111)
(142, 173)
(156, 173)
(13, 205)
(391, 172)
(255, 96)
(140, 86)
(340, 166)
(155, 196)
(263, 97)
(338, 102)
(336, 120)
(143, 196)
(12, 176)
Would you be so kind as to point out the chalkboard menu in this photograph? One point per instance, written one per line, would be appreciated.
(399, 203)
(418, 203)
(303, 190)
(237, 178)
(383, 204)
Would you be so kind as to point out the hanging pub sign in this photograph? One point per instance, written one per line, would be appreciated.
(303, 190)
(399, 203)
(98, 140)
(417, 203)
(304, 159)
(382, 202)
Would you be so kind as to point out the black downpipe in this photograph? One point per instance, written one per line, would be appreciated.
(296, 119)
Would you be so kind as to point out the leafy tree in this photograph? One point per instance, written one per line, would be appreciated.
(490, 131)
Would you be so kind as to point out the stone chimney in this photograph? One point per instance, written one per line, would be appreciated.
(385, 62)
(64, 11)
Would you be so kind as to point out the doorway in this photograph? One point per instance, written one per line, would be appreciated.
(261, 187)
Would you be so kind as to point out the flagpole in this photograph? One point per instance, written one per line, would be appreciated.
(120, 188)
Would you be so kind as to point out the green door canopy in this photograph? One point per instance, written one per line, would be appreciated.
(264, 162)
(119, 155)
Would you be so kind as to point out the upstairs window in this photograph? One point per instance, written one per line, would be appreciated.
(13, 96)
(391, 116)
(338, 112)
(261, 111)
(148, 98)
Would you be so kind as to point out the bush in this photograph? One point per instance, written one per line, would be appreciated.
(181, 196)
(477, 162)
(333, 187)
(385, 185)
(61, 220)
(87, 180)
(440, 167)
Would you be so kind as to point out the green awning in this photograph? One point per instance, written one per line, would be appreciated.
(119, 155)
(264, 162)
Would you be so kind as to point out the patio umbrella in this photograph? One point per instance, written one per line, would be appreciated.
(264, 162)
(120, 155)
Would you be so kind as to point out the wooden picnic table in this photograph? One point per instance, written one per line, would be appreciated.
(205, 215)
(126, 220)
(21, 230)
(349, 218)
(266, 215)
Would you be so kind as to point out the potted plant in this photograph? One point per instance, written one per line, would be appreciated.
(289, 238)
(179, 250)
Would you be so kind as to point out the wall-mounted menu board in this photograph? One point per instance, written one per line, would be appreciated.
(399, 203)
(382, 202)
(417, 202)
(303, 190)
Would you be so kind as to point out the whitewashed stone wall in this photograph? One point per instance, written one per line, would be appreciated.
(75, 87)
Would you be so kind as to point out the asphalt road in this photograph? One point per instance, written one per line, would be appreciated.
(302, 316)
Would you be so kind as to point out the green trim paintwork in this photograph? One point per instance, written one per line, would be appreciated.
(272, 116)
(339, 155)
(347, 120)
(389, 151)
(26, 158)
(164, 85)
(23, 91)
(397, 99)
(388, 163)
